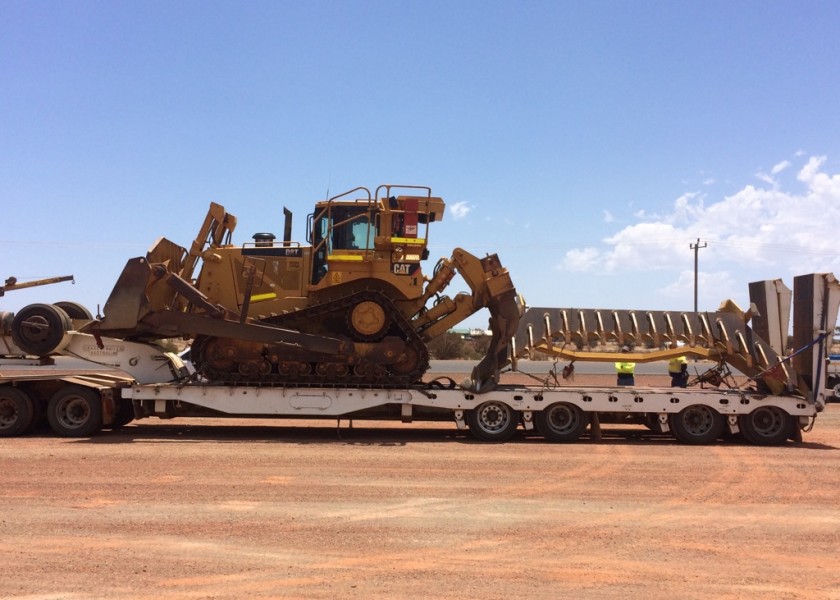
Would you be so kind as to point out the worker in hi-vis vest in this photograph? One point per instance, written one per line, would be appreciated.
(624, 370)
(678, 370)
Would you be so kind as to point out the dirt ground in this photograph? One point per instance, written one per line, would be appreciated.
(279, 509)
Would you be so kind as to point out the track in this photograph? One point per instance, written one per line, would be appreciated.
(392, 356)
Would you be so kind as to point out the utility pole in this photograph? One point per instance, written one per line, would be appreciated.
(696, 247)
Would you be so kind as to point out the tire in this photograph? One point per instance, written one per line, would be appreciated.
(493, 421)
(75, 411)
(39, 328)
(124, 416)
(17, 411)
(766, 426)
(74, 310)
(833, 388)
(561, 422)
(697, 424)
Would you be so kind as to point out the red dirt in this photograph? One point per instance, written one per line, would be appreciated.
(283, 509)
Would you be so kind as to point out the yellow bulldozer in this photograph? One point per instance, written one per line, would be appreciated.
(352, 306)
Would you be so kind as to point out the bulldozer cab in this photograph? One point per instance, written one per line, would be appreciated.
(340, 231)
(382, 236)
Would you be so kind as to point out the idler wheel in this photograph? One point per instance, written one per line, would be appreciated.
(368, 321)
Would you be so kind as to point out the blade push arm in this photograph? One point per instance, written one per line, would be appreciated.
(490, 287)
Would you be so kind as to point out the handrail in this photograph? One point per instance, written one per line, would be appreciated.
(272, 244)
(388, 186)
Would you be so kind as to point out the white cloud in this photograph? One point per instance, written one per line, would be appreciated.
(608, 216)
(755, 229)
(770, 178)
(765, 178)
(459, 210)
(583, 259)
(811, 175)
(711, 287)
(687, 207)
(779, 167)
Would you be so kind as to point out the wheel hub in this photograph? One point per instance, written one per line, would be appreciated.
(561, 419)
(767, 422)
(74, 412)
(8, 413)
(493, 417)
(698, 421)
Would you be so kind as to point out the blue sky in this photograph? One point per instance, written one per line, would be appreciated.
(587, 143)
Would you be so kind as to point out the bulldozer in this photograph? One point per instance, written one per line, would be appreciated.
(351, 306)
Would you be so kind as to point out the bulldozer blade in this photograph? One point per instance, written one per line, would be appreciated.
(128, 302)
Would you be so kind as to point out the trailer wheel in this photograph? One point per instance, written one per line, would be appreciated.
(39, 328)
(493, 421)
(74, 310)
(16, 411)
(697, 424)
(766, 426)
(561, 422)
(75, 411)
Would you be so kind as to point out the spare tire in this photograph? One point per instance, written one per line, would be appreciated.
(74, 310)
(39, 328)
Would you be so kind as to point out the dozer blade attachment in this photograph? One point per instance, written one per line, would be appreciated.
(724, 335)
(570, 333)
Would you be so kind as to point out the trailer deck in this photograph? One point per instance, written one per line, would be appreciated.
(561, 414)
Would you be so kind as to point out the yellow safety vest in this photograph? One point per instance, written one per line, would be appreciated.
(675, 364)
(625, 368)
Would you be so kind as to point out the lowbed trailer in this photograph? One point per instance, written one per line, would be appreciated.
(80, 402)
(561, 414)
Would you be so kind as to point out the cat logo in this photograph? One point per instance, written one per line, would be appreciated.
(401, 269)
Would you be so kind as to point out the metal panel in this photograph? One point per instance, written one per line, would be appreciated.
(772, 299)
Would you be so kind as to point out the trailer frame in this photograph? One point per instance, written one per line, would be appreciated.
(495, 415)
